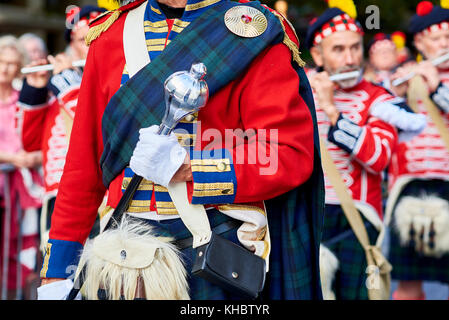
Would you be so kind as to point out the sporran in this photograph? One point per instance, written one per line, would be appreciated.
(423, 224)
(121, 259)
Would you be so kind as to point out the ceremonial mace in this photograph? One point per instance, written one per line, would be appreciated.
(185, 94)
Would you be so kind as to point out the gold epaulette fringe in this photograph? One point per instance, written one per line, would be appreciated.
(290, 44)
(96, 31)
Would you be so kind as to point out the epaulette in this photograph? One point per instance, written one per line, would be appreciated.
(292, 44)
(96, 30)
(99, 17)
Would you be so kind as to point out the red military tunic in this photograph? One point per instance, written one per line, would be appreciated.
(265, 97)
(360, 145)
(424, 157)
(45, 125)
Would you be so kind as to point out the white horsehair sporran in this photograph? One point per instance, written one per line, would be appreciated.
(122, 259)
(422, 223)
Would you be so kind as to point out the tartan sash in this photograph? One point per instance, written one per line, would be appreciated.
(140, 102)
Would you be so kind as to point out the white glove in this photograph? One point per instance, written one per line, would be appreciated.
(58, 290)
(157, 158)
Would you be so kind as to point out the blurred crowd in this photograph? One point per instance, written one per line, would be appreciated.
(28, 174)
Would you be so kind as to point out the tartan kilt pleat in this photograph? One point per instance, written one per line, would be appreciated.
(409, 265)
(350, 278)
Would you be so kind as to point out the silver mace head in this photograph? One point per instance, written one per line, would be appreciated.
(186, 93)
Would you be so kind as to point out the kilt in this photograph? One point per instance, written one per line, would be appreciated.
(409, 265)
(350, 278)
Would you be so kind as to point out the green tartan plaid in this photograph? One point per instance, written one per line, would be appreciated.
(350, 279)
(295, 235)
(140, 102)
(408, 265)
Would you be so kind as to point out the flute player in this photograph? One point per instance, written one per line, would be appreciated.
(419, 174)
(49, 103)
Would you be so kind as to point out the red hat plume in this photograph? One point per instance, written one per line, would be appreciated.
(424, 8)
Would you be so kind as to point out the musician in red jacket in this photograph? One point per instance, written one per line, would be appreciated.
(359, 123)
(49, 104)
(419, 171)
(229, 188)
(383, 59)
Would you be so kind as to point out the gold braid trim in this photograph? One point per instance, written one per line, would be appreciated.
(289, 43)
(97, 30)
(105, 211)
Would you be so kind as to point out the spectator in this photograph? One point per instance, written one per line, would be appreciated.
(34, 45)
(12, 58)
(49, 103)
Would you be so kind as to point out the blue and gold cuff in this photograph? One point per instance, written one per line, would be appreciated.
(63, 82)
(345, 134)
(61, 259)
(214, 179)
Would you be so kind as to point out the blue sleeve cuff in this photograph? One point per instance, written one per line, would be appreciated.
(345, 134)
(214, 179)
(441, 97)
(61, 259)
(64, 82)
(33, 97)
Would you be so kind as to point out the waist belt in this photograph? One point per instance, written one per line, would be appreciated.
(221, 228)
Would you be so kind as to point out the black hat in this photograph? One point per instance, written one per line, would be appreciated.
(427, 15)
(317, 23)
(337, 19)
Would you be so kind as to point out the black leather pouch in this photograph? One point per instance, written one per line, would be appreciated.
(231, 267)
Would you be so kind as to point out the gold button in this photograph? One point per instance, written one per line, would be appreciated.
(222, 166)
(188, 142)
(226, 191)
(190, 118)
(125, 184)
(123, 255)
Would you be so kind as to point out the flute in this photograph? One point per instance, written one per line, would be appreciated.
(344, 76)
(50, 67)
(437, 61)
